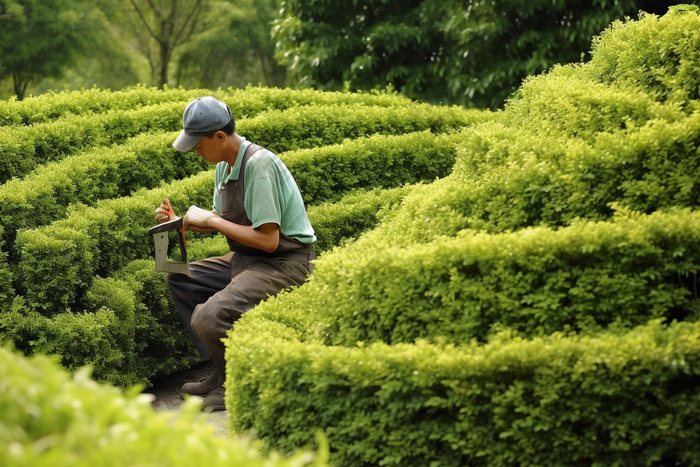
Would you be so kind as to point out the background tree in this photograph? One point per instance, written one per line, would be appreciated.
(468, 52)
(234, 47)
(43, 38)
(159, 27)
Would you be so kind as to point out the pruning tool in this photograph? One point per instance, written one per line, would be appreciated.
(160, 237)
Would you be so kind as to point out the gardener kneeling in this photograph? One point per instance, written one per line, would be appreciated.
(258, 207)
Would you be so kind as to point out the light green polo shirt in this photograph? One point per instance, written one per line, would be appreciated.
(271, 193)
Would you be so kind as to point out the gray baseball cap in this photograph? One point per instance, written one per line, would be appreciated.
(202, 116)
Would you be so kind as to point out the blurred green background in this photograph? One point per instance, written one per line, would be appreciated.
(467, 52)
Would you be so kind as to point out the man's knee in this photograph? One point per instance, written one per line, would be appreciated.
(199, 320)
(213, 319)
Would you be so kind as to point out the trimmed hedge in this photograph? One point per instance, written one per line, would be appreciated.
(606, 400)
(102, 239)
(511, 178)
(327, 173)
(51, 105)
(243, 102)
(145, 160)
(536, 281)
(95, 241)
(126, 329)
(25, 147)
(591, 187)
(51, 419)
(339, 223)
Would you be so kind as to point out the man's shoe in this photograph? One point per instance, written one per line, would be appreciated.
(214, 401)
(205, 386)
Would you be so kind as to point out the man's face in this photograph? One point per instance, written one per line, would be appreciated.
(210, 149)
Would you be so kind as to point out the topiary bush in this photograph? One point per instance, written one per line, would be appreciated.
(446, 334)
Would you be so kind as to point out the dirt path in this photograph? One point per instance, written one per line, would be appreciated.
(168, 397)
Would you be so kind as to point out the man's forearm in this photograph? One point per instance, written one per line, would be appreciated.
(265, 237)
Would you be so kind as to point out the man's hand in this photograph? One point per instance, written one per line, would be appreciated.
(198, 217)
(164, 212)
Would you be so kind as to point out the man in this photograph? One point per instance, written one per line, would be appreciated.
(258, 207)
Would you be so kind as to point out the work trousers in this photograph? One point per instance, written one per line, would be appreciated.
(220, 289)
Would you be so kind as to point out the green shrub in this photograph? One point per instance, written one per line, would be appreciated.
(52, 419)
(309, 127)
(327, 173)
(144, 334)
(52, 105)
(511, 178)
(663, 60)
(161, 346)
(126, 329)
(542, 182)
(243, 102)
(77, 338)
(22, 148)
(585, 277)
(102, 239)
(337, 223)
(147, 161)
(560, 400)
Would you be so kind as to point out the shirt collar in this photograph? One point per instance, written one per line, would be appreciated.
(236, 170)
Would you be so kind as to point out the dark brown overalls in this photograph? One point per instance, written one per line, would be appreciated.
(220, 289)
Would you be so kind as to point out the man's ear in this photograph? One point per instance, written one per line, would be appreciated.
(220, 136)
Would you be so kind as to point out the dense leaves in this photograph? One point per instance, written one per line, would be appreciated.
(468, 52)
(40, 39)
(50, 418)
(496, 316)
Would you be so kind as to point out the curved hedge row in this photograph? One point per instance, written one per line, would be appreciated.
(585, 277)
(243, 102)
(571, 212)
(146, 161)
(23, 148)
(128, 331)
(568, 220)
(609, 399)
(101, 239)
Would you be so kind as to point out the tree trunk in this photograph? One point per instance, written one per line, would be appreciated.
(164, 62)
(20, 84)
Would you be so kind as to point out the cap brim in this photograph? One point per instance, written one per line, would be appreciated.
(185, 142)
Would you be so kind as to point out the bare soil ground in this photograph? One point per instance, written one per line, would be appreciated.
(168, 396)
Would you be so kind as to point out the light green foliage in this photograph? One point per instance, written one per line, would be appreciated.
(309, 127)
(485, 282)
(496, 316)
(558, 400)
(244, 103)
(328, 172)
(335, 223)
(535, 281)
(52, 419)
(665, 59)
(87, 214)
(23, 148)
(51, 105)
